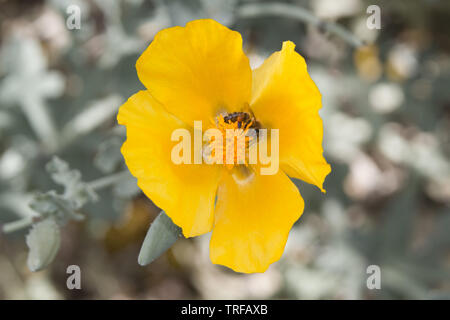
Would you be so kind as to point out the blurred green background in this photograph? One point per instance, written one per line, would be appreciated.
(386, 113)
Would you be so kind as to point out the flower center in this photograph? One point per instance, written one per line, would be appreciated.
(229, 143)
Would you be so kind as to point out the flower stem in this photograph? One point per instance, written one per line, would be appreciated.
(108, 180)
(96, 185)
(299, 13)
(17, 225)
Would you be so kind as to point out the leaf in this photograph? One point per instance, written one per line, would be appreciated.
(91, 118)
(43, 242)
(109, 156)
(161, 235)
(52, 204)
(126, 187)
(75, 189)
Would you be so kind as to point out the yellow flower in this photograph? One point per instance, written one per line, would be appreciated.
(200, 72)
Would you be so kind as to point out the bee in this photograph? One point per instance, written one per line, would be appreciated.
(244, 119)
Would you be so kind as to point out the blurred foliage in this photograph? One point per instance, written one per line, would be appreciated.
(386, 122)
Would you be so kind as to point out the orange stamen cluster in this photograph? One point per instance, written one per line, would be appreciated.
(240, 123)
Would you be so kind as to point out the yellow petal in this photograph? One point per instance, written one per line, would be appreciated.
(252, 220)
(185, 192)
(197, 71)
(284, 97)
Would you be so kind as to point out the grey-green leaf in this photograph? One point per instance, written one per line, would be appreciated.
(161, 235)
(75, 190)
(43, 242)
(51, 204)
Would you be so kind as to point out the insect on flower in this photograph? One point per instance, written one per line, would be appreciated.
(200, 73)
